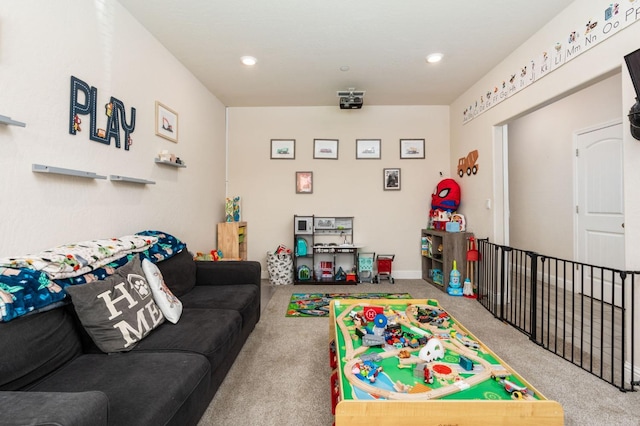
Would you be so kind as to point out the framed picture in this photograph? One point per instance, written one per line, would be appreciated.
(304, 182)
(411, 148)
(284, 149)
(325, 148)
(166, 122)
(391, 179)
(367, 148)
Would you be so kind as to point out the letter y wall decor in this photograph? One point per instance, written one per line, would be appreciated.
(114, 111)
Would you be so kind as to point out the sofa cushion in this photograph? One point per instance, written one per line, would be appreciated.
(119, 311)
(209, 332)
(35, 345)
(143, 388)
(52, 408)
(179, 273)
(243, 298)
(169, 304)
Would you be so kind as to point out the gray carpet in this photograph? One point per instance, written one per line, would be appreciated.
(281, 377)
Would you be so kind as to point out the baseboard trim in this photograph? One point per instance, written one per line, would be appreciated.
(398, 275)
(631, 374)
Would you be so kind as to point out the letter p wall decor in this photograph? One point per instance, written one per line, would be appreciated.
(114, 111)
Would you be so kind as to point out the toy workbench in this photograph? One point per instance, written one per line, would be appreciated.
(409, 362)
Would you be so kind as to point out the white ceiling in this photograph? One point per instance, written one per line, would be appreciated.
(301, 45)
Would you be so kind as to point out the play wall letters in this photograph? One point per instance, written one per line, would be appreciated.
(114, 110)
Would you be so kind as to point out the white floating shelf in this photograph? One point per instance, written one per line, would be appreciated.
(39, 168)
(117, 178)
(169, 163)
(7, 120)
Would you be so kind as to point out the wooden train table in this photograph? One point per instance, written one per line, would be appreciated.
(408, 362)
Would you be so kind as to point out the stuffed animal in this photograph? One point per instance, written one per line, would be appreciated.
(444, 201)
(446, 196)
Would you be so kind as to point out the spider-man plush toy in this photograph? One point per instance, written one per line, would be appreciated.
(446, 196)
(444, 201)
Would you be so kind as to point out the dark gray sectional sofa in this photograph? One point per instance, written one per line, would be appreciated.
(51, 372)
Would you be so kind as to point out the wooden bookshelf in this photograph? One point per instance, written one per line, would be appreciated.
(232, 240)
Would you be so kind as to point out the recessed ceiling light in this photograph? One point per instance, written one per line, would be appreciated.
(248, 60)
(344, 68)
(434, 57)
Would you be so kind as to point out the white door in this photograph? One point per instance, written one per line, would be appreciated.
(600, 205)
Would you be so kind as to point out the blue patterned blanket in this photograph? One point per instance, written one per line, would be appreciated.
(37, 282)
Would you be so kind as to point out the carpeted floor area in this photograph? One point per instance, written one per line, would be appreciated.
(281, 377)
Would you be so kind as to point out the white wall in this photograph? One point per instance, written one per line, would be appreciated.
(384, 221)
(42, 45)
(601, 60)
(541, 167)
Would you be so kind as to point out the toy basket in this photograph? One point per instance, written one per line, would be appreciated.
(280, 267)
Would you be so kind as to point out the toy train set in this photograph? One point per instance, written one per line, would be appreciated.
(386, 351)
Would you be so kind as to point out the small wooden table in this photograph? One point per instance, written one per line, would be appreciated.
(377, 386)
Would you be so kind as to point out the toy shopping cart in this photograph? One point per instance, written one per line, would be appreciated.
(384, 262)
(365, 267)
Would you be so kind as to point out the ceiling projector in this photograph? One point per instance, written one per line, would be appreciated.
(350, 99)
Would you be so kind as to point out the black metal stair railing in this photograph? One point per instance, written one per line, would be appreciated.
(582, 313)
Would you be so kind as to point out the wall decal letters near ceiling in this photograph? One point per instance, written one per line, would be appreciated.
(114, 110)
(586, 33)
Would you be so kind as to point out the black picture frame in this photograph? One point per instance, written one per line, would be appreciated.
(325, 149)
(368, 149)
(411, 148)
(391, 179)
(283, 149)
(304, 182)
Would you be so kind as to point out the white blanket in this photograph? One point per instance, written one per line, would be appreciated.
(72, 260)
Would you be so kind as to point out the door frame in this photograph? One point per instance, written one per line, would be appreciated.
(500, 184)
